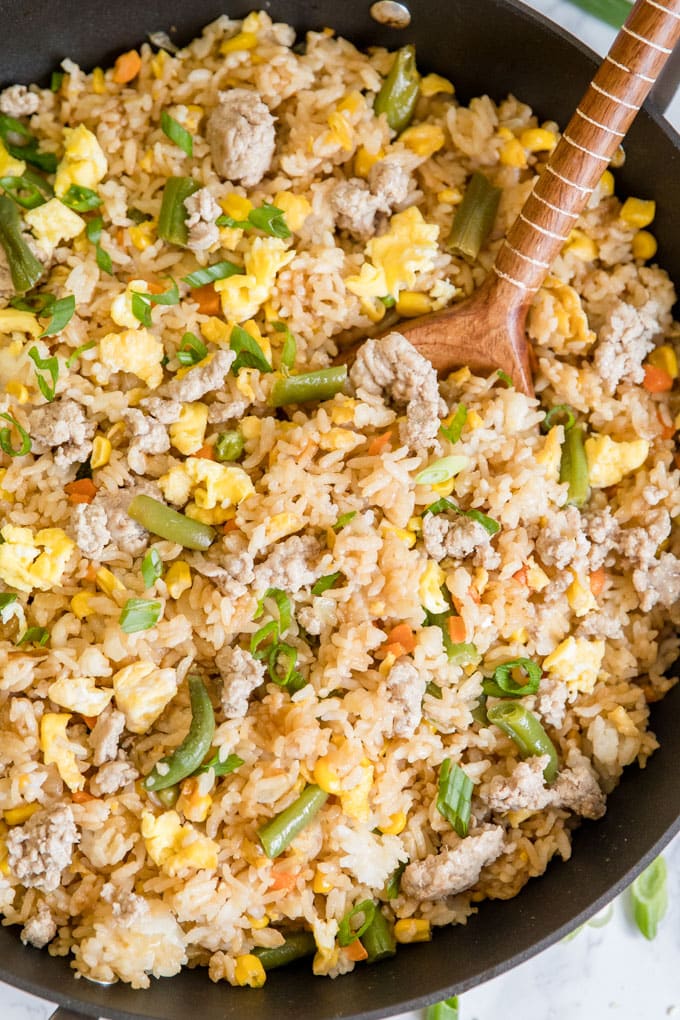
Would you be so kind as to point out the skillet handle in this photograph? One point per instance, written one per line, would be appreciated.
(618, 90)
(61, 1013)
(667, 84)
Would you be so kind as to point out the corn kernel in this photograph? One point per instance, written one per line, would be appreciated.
(638, 212)
(146, 162)
(81, 604)
(158, 63)
(513, 154)
(644, 245)
(505, 133)
(432, 84)
(364, 160)
(387, 663)
(257, 923)
(538, 140)
(415, 524)
(108, 582)
(249, 971)
(18, 815)
(423, 139)
(397, 824)
(581, 245)
(101, 452)
(98, 82)
(326, 776)
(374, 309)
(412, 929)
(665, 357)
(320, 883)
(240, 41)
(444, 488)
(17, 390)
(341, 130)
(449, 196)
(142, 234)
(606, 184)
(178, 579)
(411, 304)
(351, 103)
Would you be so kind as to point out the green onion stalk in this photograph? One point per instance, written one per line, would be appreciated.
(24, 267)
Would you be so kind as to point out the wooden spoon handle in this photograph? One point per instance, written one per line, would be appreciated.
(593, 134)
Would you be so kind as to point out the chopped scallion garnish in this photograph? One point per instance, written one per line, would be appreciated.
(152, 567)
(56, 80)
(441, 470)
(503, 684)
(6, 438)
(191, 350)
(446, 1010)
(454, 429)
(326, 582)
(139, 614)
(344, 519)
(283, 605)
(61, 313)
(444, 505)
(289, 348)
(347, 933)
(218, 271)
(650, 897)
(80, 350)
(34, 636)
(29, 191)
(267, 218)
(262, 641)
(49, 365)
(81, 199)
(454, 796)
(176, 133)
(505, 378)
(248, 352)
(560, 414)
(141, 303)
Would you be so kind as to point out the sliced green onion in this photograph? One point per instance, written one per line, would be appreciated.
(650, 897)
(434, 690)
(34, 636)
(176, 133)
(191, 350)
(7, 599)
(167, 523)
(399, 93)
(478, 713)
(103, 260)
(289, 348)
(27, 149)
(503, 685)
(523, 727)
(444, 505)
(378, 940)
(346, 932)
(137, 216)
(441, 470)
(344, 519)
(574, 467)
(288, 677)
(6, 438)
(172, 218)
(81, 199)
(141, 303)
(186, 758)
(38, 304)
(560, 414)
(61, 313)
(141, 309)
(325, 582)
(248, 351)
(454, 796)
(283, 605)
(219, 767)
(388, 301)
(139, 614)
(25, 190)
(474, 217)
(94, 228)
(277, 835)
(218, 271)
(229, 445)
(454, 430)
(299, 389)
(80, 350)
(24, 267)
(270, 220)
(264, 639)
(446, 1010)
(56, 80)
(152, 567)
(297, 945)
(505, 378)
(50, 365)
(391, 890)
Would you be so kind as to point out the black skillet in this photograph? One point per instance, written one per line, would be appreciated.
(493, 46)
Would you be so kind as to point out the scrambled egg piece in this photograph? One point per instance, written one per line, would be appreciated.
(242, 295)
(58, 750)
(295, 208)
(280, 525)
(9, 166)
(54, 222)
(560, 302)
(609, 461)
(14, 321)
(142, 691)
(550, 454)
(135, 350)
(188, 432)
(409, 247)
(211, 484)
(121, 306)
(576, 662)
(354, 802)
(429, 589)
(30, 561)
(80, 694)
(580, 597)
(83, 162)
(173, 846)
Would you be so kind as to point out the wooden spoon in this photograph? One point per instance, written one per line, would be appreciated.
(487, 331)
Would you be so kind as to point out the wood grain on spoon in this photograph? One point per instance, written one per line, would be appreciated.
(487, 331)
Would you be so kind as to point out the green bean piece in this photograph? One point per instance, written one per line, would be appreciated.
(378, 940)
(229, 445)
(186, 758)
(24, 267)
(172, 225)
(523, 727)
(299, 389)
(400, 90)
(167, 523)
(574, 467)
(474, 217)
(280, 832)
(297, 945)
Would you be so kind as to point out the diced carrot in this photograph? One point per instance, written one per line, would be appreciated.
(207, 299)
(378, 443)
(82, 797)
(89, 720)
(667, 428)
(207, 452)
(520, 575)
(394, 649)
(230, 526)
(457, 631)
(657, 380)
(283, 880)
(127, 67)
(120, 237)
(597, 579)
(81, 491)
(91, 572)
(404, 636)
(355, 951)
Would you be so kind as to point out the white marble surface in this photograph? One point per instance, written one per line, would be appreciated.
(603, 973)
